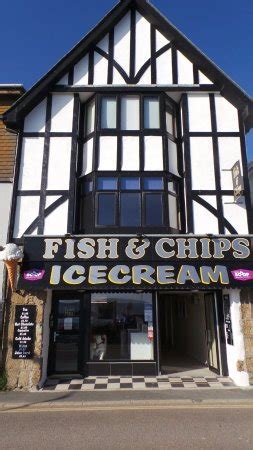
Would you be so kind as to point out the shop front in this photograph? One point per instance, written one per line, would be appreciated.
(136, 305)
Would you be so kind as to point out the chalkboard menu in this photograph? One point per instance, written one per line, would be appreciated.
(24, 332)
(228, 321)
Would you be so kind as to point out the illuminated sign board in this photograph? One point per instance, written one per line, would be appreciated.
(114, 262)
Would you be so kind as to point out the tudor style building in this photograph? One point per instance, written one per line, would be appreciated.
(124, 193)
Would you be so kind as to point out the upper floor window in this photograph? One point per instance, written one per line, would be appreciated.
(129, 169)
(129, 202)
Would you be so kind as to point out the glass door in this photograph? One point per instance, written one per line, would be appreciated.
(65, 335)
(211, 333)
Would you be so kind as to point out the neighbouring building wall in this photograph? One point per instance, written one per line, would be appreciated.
(5, 203)
(237, 368)
(247, 329)
(8, 95)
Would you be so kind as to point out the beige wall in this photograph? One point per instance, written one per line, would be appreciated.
(5, 203)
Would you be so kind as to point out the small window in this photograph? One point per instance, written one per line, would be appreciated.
(90, 117)
(172, 187)
(130, 113)
(106, 209)
(170, 123)
(130, 210)
(151, 112)
(87, 187)
(153, 210)
(153, 184)
(108, 112)
(130, 184)
(173, 211)
(107, 184)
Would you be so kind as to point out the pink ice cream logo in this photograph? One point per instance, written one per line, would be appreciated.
(242, 274)
(34, 275)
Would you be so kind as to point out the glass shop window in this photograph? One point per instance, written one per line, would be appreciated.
(90, 118)
(108, 113)
(130, 113)
(151, 112)
(121, 327)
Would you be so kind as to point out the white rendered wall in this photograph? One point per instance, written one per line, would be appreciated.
(31, 163)
(27, 210)
(100, 69)
(130, 153)
(122, 44)
(199, 112)
(229, 154)
(164, 68)
(142, 50)
(59, 163)
(5, 204)
(62, 112)
(107, 153)
(81, 72)
(46, 337)
(185, 69)
(202, 163)
(57, 221)
(153, 153)
(236, 352)
(226, 115)
(36, 119)
(204, 221)
(236, 214)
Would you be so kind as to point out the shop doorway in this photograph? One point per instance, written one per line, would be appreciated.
(66, 334)
(188, 334)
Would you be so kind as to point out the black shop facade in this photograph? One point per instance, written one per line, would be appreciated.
(136, 304)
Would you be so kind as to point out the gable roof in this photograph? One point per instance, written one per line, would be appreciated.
(228, 88)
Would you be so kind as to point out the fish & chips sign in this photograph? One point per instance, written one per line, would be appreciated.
(97, 262)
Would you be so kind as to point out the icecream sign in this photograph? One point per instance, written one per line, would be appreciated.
(147, 262)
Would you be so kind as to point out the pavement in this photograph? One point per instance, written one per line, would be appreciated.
(127, 399)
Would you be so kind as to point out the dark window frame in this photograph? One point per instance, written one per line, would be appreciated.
(91, 225)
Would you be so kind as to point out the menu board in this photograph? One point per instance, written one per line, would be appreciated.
(228, 321)
(24, 332)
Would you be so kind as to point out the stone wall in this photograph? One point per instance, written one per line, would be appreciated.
(247, 329)
(23, 374)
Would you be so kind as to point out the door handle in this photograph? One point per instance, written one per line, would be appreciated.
(55, 336)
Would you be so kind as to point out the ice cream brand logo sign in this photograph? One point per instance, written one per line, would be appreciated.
(242, 274)
(34, 275)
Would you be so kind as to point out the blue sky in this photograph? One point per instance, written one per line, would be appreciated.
(35, 35)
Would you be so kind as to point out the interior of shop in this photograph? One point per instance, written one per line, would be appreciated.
(187, 334)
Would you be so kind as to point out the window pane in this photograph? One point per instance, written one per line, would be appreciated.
(153, 184)
(107, 183)
(172, 186)
(153, 209)
(170, 123)
(90, 117)
(151, 112)
(130, 184)
(173, 212)
(108, 112)
(130, 113)
(130, 210)
(106, 209)
(87, 187)
(119, 327)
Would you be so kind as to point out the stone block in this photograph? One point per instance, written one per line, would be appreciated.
(24, 374)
